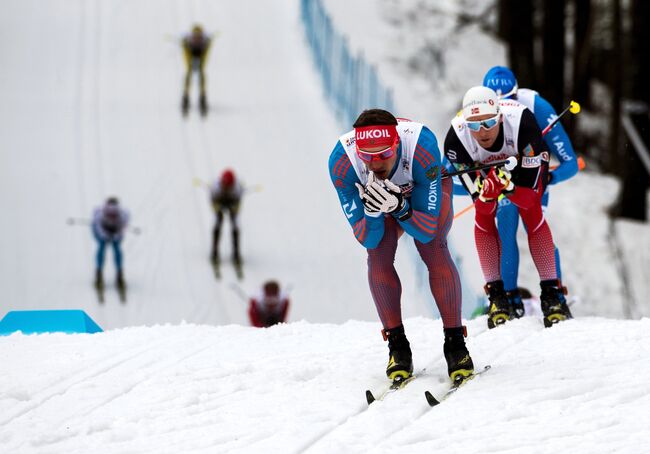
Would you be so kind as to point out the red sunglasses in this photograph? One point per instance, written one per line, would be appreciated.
(381, 155)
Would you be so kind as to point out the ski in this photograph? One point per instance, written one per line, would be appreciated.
(396, 385)
(454, 387)
(185, 105)
(203, 106)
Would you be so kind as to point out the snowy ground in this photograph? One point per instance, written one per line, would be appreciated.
(580, 387)
(89, 99)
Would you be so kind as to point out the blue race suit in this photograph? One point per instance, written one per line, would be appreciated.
(560, 146)
(432, 214)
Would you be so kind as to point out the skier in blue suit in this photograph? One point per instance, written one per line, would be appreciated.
(503, 82)
(387, 175)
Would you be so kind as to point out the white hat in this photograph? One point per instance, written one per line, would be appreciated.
(480, 100)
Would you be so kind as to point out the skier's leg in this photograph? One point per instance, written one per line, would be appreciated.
(446, 289)
(486, 238)
(235, 236)
(488, 247)
(540, 239)
(385, 285)
(216, 232)
(99, 256)
(507, 223)
(117, 253)
(558, 268)
(443, 276)
(203, 102)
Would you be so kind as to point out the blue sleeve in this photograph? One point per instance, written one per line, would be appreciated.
(426, 195)
(367, 230)
(557, 140)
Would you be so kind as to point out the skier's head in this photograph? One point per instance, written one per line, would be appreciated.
(482, 115)
(111, 210)
(197, 29)
(377, 140)
(112, 201)
(502, 80)
(227, 178)
(271, 289)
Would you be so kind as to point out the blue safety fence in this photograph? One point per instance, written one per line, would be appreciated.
(351, 84)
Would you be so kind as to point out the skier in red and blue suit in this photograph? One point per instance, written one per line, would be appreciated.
(502, 80)
(387, 174)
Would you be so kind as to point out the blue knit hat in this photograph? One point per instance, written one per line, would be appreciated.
(501, 80)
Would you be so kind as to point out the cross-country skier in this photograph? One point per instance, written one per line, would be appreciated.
(488, 130)
(225, 196)
(387, 174)
(503, 82)
(269, 307)
(195, 50)
(108, 226)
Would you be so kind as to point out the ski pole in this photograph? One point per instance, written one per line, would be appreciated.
(509, 164)
(573, 107)
(77, 221)
(86, 221)
(198, 182)
(239, 291)
(581, 166)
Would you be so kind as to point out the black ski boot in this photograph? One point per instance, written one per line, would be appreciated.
(119, 280)
(459, 363)
(400, 359)
(203, 105)
(185, 104)
(563, 301)
(99, 280)
(121, 286)
(499, 309)
(551, 302)
(516, 304)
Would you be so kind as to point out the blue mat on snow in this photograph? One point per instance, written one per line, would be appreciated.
(52, 321)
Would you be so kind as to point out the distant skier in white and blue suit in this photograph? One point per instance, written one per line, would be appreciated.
(503, 82)
(108, 226)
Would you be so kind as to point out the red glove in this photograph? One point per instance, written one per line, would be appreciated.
(492, 186)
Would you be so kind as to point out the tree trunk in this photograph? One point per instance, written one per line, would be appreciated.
(579, 88)
(633, 200)
(552, 84)
(614, 160)
(582, 36)
(516, 28)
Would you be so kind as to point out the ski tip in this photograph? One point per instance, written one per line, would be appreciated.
(430, 399)
(369, 397)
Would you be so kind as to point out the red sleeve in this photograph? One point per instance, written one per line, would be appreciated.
(285, 309)
(253, 315)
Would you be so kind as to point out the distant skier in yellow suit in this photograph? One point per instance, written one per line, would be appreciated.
(195, 50)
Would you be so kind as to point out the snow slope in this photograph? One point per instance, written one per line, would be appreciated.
(580, 387)
(89, 96)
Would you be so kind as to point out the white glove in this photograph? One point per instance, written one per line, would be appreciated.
(383, 196)
(368, 207)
